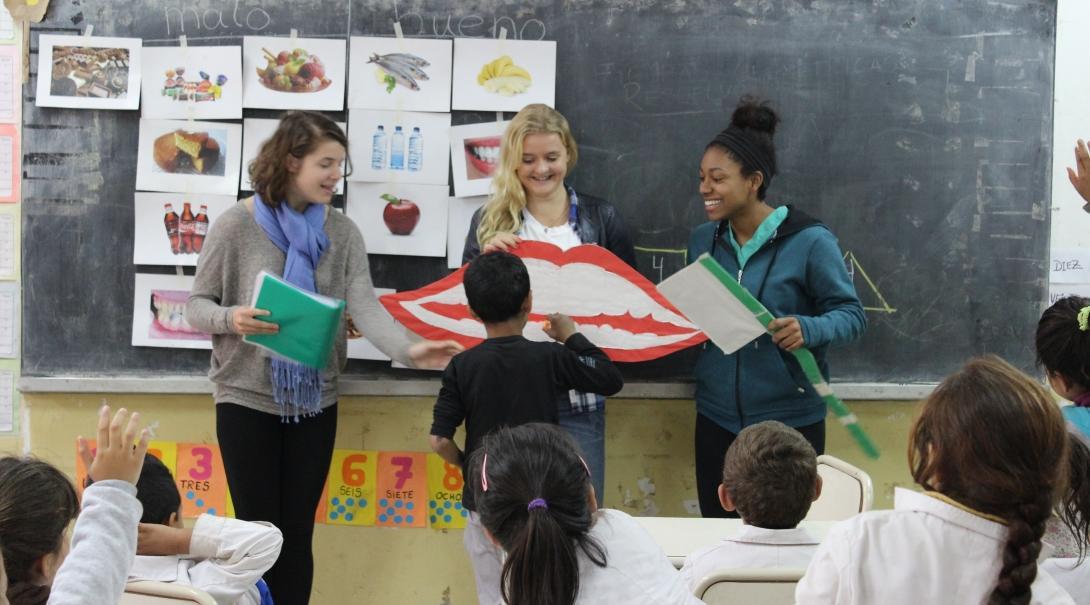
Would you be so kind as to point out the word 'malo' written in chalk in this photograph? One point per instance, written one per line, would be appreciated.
(468, 26)
(230, 16)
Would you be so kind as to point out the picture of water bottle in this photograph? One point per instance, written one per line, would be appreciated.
(416, 150)
(378, 149)
(397, 149)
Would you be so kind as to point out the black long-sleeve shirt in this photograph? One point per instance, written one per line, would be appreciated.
(510, 381)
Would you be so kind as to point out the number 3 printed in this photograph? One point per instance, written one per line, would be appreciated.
(204, 464)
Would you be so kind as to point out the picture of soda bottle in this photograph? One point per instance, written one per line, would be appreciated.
(186, 229)
(170, 221)
(200, 229)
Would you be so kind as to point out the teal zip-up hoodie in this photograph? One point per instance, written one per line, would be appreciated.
(799, 272)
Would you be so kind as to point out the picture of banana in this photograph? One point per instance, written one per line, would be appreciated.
(503, 77)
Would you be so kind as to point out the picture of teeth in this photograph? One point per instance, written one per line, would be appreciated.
(482, 157)
(404, 69)
(168, 317)
(501, 76)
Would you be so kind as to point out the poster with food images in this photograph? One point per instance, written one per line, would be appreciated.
(293, 73)
(400, 218)
(255, 131)
(158, 313)
(169, 228)
(503, 75)
(475, 154)
(411, 74)
(199, 82)
(399, 146)
(459, 217)
(188, 156)
(88, 72)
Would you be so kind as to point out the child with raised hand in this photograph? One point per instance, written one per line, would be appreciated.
(770, 478)
(991, 450)
(223, 557)
(1063, 350)
(37, 502)
(534, 497)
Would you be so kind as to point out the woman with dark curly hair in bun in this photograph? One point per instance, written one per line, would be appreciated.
(792, 264)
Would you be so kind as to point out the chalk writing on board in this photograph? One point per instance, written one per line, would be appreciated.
(853, 266)
(230, 16)
(468, 26)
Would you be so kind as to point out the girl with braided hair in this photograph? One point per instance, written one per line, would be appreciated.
(1063, 350)
(990, 449)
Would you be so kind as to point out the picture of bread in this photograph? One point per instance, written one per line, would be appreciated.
(189, 152)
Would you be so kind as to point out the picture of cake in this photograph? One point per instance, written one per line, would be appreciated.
(176, 86)
(482, 154)
(82, 71)
(182, 152)
(295, 71)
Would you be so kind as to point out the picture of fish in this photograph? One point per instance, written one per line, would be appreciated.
(405, 69)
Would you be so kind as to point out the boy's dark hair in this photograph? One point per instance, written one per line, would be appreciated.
(770, 471)
(496, 285)
(536, 508)
(37, 502)
(158, 492)
(1063, 346)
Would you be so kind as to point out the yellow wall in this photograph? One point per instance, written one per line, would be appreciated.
(646, 439)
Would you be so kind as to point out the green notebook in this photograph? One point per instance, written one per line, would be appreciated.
(308, 321)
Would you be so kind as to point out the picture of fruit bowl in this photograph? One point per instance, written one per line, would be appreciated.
(294, 71)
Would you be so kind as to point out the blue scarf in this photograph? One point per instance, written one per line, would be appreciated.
(301, 236)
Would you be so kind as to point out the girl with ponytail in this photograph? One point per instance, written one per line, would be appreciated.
(990, 449)
(534, 498)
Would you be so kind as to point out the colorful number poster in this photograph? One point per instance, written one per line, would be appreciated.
(323, 504)
(166, 451)
(445, 482)
(402, 489)
(201, 480)
(351, 496)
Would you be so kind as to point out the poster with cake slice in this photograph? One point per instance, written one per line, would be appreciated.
(400, 218)
(474, 155)
(158, 313)
(169, 228)
(199, 82)
(411, 74)
(255, 131)
(503, 75)
(459, 216)
(399, 146)
(188, 156)
(293, 73)
(358, 345)
(88, 72)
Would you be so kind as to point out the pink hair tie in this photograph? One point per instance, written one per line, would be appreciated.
(537, 503)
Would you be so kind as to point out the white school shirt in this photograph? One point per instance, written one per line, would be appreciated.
(637, 572)
(752, 547)
(563, 236)
(923, 551)
(1071, 575)
(226, 559)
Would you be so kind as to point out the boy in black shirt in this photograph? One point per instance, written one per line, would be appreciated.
(508, 380)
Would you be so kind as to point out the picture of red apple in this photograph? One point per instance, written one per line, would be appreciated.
(400, 215)
(283, 57)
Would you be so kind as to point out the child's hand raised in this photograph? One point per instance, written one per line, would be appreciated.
(559, 327)
(120, 453)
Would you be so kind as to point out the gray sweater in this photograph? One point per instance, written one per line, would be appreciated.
(235, 251)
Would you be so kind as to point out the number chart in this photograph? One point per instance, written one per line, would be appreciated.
(402, 489)
(350, 496)
(166, 451)
(445, 510)
(201, 480)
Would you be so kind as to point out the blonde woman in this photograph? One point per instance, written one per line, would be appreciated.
(530, 201)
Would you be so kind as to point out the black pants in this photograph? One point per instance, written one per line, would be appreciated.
(276, 471)
(712, 442)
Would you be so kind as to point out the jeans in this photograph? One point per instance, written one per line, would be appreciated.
(589, 431)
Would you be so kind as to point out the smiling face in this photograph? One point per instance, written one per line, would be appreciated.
(316, 175)
(543, 166)
(723, 187)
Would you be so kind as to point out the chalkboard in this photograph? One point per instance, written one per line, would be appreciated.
(919, 131)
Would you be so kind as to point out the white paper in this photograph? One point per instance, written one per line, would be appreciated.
(106, 70)
(474, 83)
(383, 227)
(474, 155)
(9, 321)
(7, 401)
(1058, 291)
(361, 348)
(370, 89)
(412, 147)
(7, 86)
(158, 318)
(459, 217)
(256, 131)
(173, 83)
(152, 244)
(7, 246)
(219, 177)
(711, 306)
(1069, 266)
(327, 93)
(7, 25)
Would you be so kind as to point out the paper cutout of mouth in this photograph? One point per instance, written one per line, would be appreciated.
(614, 306)
(482, 157)
(168, 317)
